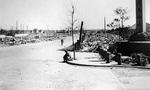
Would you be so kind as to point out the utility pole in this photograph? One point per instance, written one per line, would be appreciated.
(16, 25)
(80, 37)
(72, 23)
(105, 25)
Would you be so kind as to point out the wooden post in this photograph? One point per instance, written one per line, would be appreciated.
(105, 25)
(80, 38)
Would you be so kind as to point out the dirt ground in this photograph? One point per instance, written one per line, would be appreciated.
(133, 79)
(39, 67)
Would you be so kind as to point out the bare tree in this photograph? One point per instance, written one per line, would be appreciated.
(73, 20)
(122, 13)
(119, 21)
(72, 28)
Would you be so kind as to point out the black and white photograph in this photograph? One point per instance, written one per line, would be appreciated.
(74, 44)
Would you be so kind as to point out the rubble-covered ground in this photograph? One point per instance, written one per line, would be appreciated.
(94, 39)
(39, 67)
(29, 38)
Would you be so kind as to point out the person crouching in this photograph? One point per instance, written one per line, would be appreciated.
(67, 57)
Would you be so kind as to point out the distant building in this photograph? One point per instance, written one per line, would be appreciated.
(2, 38)
(21, 38)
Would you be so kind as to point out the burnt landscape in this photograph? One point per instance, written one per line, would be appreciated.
(74, 45)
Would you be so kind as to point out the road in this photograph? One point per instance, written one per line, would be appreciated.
(39, 67)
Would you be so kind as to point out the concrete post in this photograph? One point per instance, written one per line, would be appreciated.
(140, 16)
(119, 59)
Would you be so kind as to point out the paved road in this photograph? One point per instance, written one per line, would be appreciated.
(38, 67)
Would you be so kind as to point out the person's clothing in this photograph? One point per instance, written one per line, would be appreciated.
(67, 57)
(62, 41)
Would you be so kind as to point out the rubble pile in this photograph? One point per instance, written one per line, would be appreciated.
(94, 40)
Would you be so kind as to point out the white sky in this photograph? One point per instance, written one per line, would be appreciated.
(55, 14)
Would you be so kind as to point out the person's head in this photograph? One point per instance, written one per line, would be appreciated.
(66, 51)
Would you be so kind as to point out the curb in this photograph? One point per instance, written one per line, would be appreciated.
(121, 66)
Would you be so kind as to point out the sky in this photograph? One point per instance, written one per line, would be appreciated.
(55, 14)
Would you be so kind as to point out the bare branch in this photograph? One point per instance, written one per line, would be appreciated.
(122, 13)
(75, 21)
